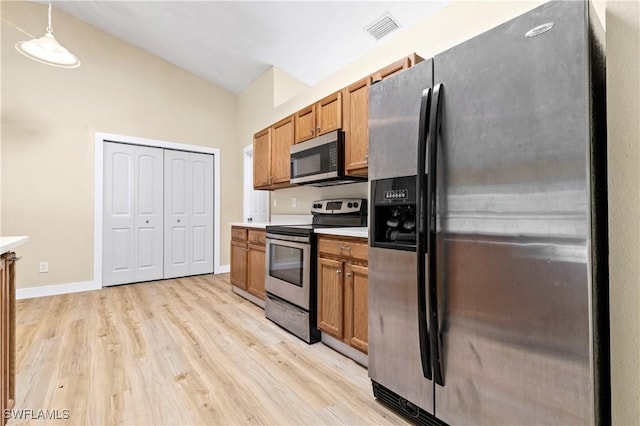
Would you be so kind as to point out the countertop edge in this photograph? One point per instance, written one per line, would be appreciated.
(257, 225)
(359, 232)
(9, 243)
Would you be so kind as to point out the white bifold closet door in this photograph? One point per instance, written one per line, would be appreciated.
(133, 214)
(188, 213)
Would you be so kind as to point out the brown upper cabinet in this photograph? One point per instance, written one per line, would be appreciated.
(396, 67)
(271, 164)
(262, 158)
(347, 109)
(356, 127)
(319, 118)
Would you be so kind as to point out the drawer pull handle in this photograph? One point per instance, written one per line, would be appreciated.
(348, 274)
(338, 271)
(345, 248)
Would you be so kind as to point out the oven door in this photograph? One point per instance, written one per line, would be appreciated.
(287, 268)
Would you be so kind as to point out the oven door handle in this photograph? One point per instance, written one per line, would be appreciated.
(292, 240)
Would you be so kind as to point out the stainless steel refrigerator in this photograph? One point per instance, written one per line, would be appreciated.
(488, 282)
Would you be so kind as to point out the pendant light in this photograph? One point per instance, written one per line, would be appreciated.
(47, 50)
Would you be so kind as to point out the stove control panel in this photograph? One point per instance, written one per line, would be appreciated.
(340, 206)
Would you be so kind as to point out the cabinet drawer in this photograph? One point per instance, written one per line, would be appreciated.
(356, 249)
(257, 237)
(238, 234)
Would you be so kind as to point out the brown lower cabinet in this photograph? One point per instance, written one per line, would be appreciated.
(248, 260)
(343, 290)
(8, 326)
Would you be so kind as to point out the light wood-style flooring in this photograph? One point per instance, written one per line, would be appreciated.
(182, 351)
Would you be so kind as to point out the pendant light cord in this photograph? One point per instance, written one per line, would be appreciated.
(49, 27)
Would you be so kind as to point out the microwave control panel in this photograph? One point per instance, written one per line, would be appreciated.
(333, 158)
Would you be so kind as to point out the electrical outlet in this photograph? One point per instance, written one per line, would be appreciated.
(275, 202)
(294, 201)
(44, 267)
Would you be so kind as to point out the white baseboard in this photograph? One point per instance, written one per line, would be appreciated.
(52, 290)
(223, 269)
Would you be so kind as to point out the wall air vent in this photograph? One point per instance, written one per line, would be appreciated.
(382, 26)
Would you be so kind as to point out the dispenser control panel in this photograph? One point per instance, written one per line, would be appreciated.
(396, 194)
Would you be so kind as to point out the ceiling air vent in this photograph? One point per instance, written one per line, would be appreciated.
(382, 26)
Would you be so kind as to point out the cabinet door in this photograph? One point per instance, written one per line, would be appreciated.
(392, 69)
(305, 123)
(281, 139)
(329, 114)
(356, 283)
(256, 270)
(356, 125)
(239, 264)
(262, 158)
(330, 297)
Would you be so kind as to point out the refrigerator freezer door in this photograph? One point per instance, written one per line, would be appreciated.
(514, 223)
(393, 122)
(394, 344)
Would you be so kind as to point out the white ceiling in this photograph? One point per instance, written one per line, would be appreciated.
(231, 43)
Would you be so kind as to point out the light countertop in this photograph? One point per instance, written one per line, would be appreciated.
(277, 219)
(9, 243)
(360, 232)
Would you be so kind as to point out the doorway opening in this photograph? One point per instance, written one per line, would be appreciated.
(256, 203)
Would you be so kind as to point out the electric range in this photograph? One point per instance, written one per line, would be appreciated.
(291, 258)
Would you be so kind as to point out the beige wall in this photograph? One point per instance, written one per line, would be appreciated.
(623, 110)
(50, 115)
(460, 21)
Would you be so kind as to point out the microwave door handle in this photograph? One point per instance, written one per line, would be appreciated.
(421, 186)
(431, 230)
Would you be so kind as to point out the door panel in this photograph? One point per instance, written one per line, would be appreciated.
(282, 138)
(177, 215)
(356, 125)
(121, 177)
(331, 297)
(394, 106)
(118, 214)
(357, 317)
(199, 238)
(149, 214)
(513, 221)
(188, 214)
(201, 221)
(121, 251)
(394, 342)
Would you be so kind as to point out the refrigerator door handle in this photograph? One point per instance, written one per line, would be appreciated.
(432, 155)
(421, 187)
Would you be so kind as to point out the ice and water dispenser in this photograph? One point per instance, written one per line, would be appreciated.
(393, 216)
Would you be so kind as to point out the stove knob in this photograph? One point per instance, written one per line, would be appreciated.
(355, 205)
(350, 205)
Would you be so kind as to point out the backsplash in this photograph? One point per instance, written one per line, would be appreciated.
(282, 200)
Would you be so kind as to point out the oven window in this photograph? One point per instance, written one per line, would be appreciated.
(285, 263)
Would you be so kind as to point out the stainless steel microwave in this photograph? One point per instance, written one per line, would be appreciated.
(320, 161)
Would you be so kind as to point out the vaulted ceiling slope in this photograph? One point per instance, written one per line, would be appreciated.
(231, 43)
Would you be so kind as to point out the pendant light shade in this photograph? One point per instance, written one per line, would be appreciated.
(47, 50)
